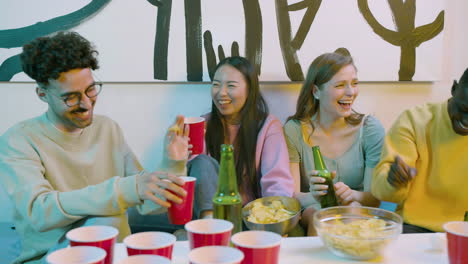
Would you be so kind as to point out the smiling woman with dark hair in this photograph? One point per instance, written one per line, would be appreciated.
(424, 163)
(239, 116)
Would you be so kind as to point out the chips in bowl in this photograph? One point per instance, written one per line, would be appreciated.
(268, 214)
(277, 214)
(359, 233)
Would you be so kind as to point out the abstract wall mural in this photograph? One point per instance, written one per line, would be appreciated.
(291, 43)
(166, 40)
(407, 36)
(17, 37)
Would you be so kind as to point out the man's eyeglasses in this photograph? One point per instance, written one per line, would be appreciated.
(73, 99)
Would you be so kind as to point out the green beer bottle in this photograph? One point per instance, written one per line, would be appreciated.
(466, 216)
(328, 199)
(227, 202)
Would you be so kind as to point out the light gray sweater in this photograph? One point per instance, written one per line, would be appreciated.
(56, 179)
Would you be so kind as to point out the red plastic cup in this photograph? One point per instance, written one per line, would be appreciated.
(196, 133)
(145, 259)
(96, 236)
(215, 255)
(259, 247)
(150, 243)
(77, 255)
(208, 232)
(457, 241)
(180, 214)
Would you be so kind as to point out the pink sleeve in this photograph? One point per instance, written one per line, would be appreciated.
(273, 160)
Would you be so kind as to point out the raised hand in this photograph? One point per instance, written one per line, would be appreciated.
(317, 186)
(177, 141)
(158, 183)
(400, 173)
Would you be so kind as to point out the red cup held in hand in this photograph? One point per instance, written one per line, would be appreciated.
(457, 241)
(96, 236)
(259, 247)
(180, 214)
(150, 243)
(196, 133)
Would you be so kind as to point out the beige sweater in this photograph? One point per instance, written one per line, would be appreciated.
(56, 179)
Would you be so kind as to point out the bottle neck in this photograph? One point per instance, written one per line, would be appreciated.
(318, 159)
(227, 173)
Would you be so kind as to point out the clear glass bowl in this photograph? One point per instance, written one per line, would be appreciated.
(357, 232)
(282, 227)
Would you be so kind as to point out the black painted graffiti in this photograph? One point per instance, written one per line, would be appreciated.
(253, 33)
(10, 67)
(161, 40)
(12, 38)
(192, 36)
(290, 47)
(408, 37)
(193, 23)
(211, 55)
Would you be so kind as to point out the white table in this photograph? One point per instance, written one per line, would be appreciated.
(408, 248)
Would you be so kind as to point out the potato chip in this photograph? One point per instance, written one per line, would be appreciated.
(175, 128)
(268, 214)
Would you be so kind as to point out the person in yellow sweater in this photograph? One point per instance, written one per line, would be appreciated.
(68, 167)
(424, 163)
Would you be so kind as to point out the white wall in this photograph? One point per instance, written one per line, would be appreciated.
(145, 110)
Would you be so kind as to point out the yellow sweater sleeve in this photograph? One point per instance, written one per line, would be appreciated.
(400, 140)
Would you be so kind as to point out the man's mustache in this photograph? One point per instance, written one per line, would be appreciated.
(80, 110)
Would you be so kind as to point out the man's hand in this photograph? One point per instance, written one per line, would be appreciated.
(150, 184)
(317, 187)
(400, 173)
(177, 141)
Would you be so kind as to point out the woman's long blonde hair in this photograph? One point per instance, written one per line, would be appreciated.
(322, 70)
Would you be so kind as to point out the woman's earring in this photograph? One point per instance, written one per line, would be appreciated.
(316, 97)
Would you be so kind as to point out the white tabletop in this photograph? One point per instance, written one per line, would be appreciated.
(408, 248)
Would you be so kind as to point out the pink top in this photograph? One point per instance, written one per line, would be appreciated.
(271, 159)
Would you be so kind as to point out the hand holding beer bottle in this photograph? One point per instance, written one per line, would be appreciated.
(328, 196)
(318, 188)
(317, 184)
